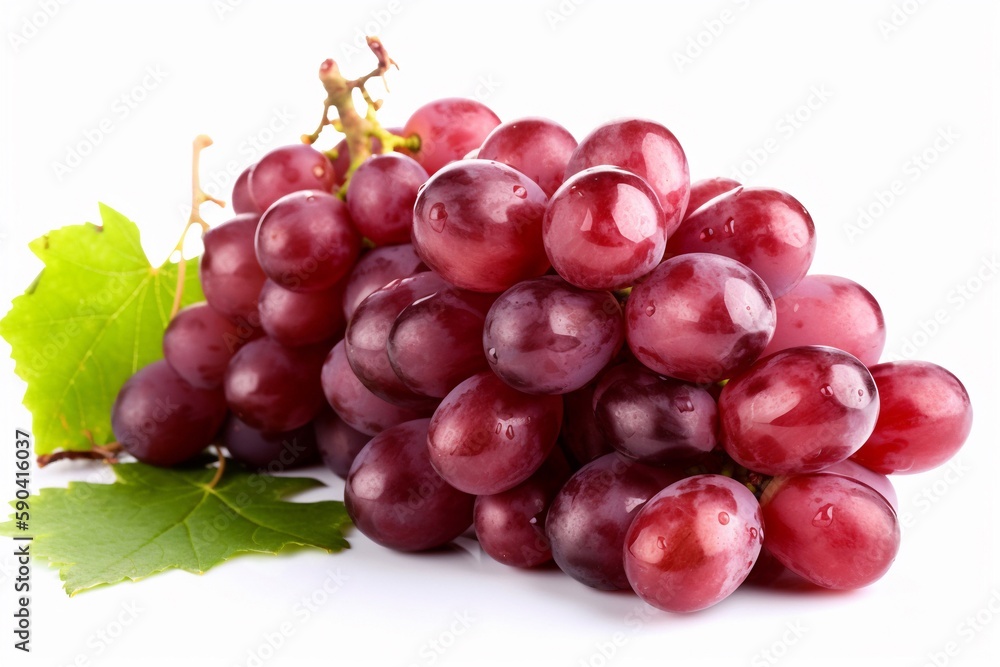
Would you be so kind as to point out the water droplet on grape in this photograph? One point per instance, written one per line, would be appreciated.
(650, 309)
(661, 542)
(437, 216)
(730, 227)
(753, 533)
(824, 517)
(520, 192)
(493, 355)
(319, 171)
(685, 405)
(499, 428)
(311, 198)
(533, 520)
(707, 234)
(861, 392)
(723, 518)
(510, 432)
(826, 390)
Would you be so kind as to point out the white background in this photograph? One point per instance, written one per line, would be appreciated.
(829, 101)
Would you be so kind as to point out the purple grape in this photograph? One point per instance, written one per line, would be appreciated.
(434, 343)
(162, 420)
(653, 419)
(581, 437)
(479, 225)
(230, 275)
(199, 343)
(394, 496)
(604, 229)
(338, 443)
(700, 318)
(588, 518)
(376, 269)
(693, 543)
(305, 241)
(301, 318)
(272, 452)
(545, 336)
(380, 197)
(289, 169)
(486, 437)
(537, 147)
(275, 388)
(242, 199)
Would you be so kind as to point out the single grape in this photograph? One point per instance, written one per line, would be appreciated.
(581, 436)
(272, 452)
(707, 189)
(587, 521)
(832, 530)
(693, 543)
(434, 343)
(290, 169)
(604, 229)
(700, 318)
(653, 419)
(539, 148)
(394, 496)
(338, 443)
(646, 149)
(766, 229)
(301, 318)
(486, 437)
(380, 197)
(829, 310)
(545, 336)
(448, 129)
(354, 402)
(859, 473)
(230, 275)
(199, 343)
(479, 224)
(368, 334)
(798, 411)
(925, 418)
(510, 525)
(305, 241)
(376, 269)
(272, 387)
(162, 420)
(242, 199)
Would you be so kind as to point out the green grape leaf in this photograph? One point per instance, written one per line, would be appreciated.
(153, 519)
(93, 317)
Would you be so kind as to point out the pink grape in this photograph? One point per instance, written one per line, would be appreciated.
(859, 473)
(289, 169)
(376, 269)
(537, 147)
(199, 343)
(301, 318)
(448, 129)
(380, 197)
(693, 543)
(707, 189)
(486, 437)
(700, 318)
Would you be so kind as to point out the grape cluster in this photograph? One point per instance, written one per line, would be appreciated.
(568, 346)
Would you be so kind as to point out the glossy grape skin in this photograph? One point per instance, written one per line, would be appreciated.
(510, 525)
(693, 543)
(604, 229)
(700, 318)
(479, 224)
(230, 275)
(290, 169)
(434, 343)
(925, 418)
(653, 419)
(272, 452)
(305, 241)
(798, 411)
(581, 437)
(376, 269)
(342, 162)
(448, 129)
(199, 343)
(368, 334)
(545, 336)
(486, 438)
(242, 199)
(587, 521)
(766, 229)
(834, 531)
(162, 420)
(859, 473)
(539, 148)
(301, 318)
(394, 496)
(830, 310)
(646, 149)
(380, 197)
(275, 388)
(338, 443)
(707, 189)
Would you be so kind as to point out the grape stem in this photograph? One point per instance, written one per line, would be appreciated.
(198, 197)
(360, 131)
(107, 453)
(220, 470)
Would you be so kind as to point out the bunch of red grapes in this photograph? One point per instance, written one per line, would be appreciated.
(567, 346)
